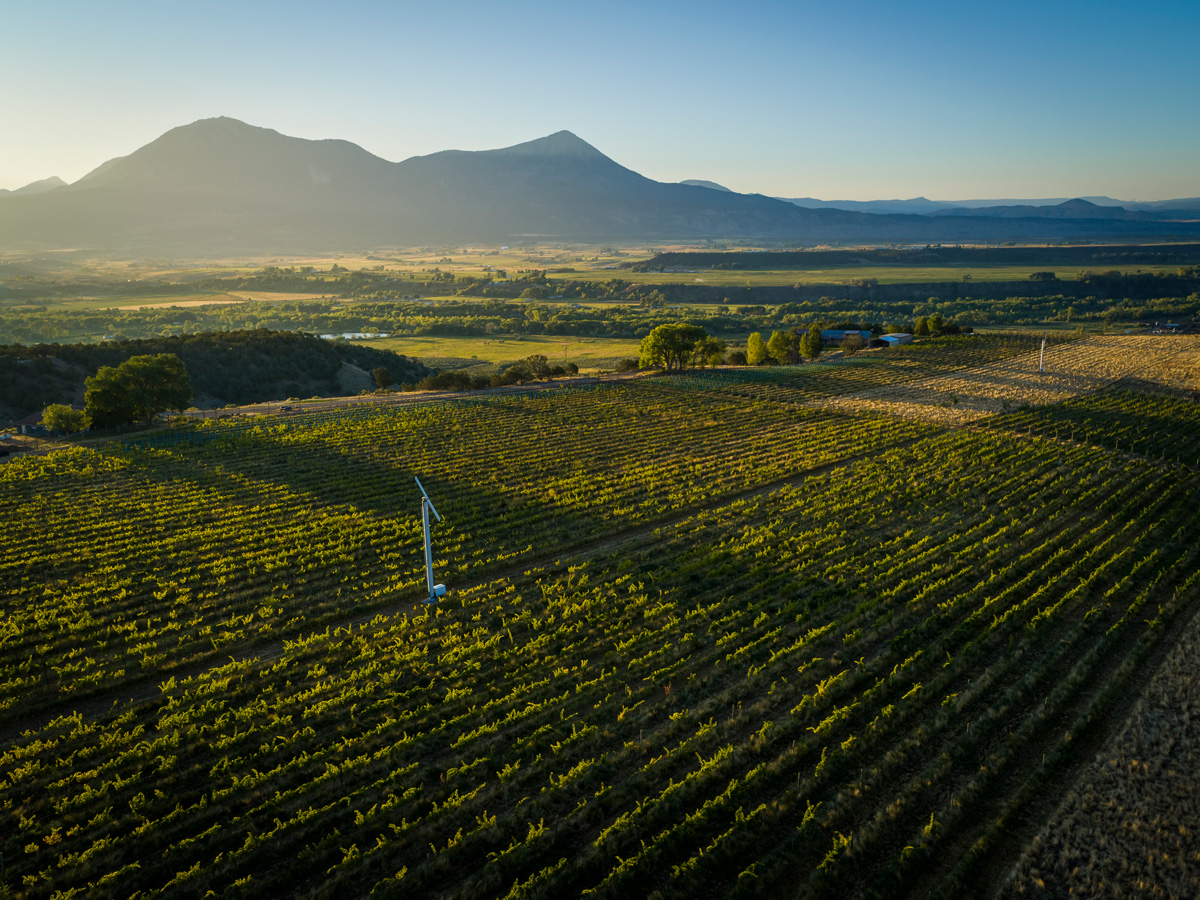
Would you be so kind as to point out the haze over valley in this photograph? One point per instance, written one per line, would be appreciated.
(222, 186)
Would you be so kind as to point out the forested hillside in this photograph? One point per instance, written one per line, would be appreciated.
(225, 367)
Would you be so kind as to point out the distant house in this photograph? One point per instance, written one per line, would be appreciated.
(31, 425)
(831, 337)
(894, 340)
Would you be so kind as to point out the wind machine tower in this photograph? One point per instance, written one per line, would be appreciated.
(436, 591)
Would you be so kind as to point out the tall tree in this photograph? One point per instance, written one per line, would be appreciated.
(61, 417)
(852, 344)
(383, 377)
(756, 349)
(531, 368)
(812, 342)
(137, 390)
(783, 346)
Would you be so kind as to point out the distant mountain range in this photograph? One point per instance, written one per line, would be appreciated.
(1052, 208)
(222, 186)
(1056, 208)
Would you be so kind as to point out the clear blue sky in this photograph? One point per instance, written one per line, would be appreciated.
(858, 99)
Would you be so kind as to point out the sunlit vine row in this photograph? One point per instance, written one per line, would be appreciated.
(812, 690)
(120, 566)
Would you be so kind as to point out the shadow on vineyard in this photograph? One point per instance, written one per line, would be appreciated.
(1145, 423)
(697, 646)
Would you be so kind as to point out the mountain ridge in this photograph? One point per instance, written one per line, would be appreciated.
(220, 185)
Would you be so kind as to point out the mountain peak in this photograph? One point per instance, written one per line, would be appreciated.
(1078, 203)
(222, 154)
(36, 187)
(561, 143)
(220, 130)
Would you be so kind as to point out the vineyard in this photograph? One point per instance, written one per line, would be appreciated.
(708, 636)
(1126, 828)
(1070, 370)
(867, 372)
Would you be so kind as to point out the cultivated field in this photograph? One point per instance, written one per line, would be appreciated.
(453, 352)
(708, 636)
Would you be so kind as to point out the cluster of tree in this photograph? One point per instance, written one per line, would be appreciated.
(935, 326)
(481, 317)
(450, 317)
(29, 383)
(137, 390)
(1140, 285)
(785, 347)
(677, 345)
(63, 419)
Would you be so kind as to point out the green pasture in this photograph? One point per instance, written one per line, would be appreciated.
(183, 301)
(455, 352)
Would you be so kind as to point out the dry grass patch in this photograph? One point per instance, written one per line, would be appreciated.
(270, 296)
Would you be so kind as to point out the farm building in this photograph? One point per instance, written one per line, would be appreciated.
(892, 340)
(31, 425)
(831, 337)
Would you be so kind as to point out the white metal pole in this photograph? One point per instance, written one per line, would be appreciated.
(428, 546)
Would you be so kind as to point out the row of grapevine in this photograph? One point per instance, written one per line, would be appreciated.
(1067, 370)
(1131, 421)
(812, 691)
(120, 566)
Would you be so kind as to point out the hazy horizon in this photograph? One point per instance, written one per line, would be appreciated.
(868, 102)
